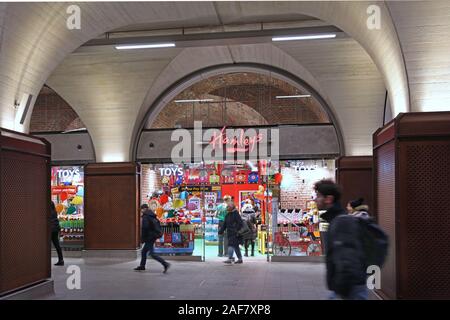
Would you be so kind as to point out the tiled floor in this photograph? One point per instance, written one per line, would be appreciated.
(255, 279)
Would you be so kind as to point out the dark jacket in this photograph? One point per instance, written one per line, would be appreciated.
(344, 251)
(250, 218)
(54, 222)
(148, 231)
(232, 224)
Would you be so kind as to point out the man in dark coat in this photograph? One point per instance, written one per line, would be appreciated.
(233, 223)
(149, 234)
(345, 257)
(55, 229)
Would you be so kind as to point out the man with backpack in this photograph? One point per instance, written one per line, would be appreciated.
(351, 245)
(151, 230)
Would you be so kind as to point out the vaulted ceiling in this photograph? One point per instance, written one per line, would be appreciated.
(112, 91)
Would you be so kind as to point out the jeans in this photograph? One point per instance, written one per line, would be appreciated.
(223, 241)
(232, 249)
(356, 293)
(55, 241)
(149, 248)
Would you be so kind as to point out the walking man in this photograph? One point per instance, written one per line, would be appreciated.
(151, 230)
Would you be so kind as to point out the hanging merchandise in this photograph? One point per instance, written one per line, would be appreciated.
(263, 167)
(278, 177)
(59, 208)
(171, 213)
(178, 203)
(214, 179)
(194, 204)
(167, 206)
(253, 177)
(159, 212)
(241, 178)
(77, 201)
(80, 191)
(184, 195)
(165, 180)
(229, 179)
(163, 199)
(260, 193)
(179, 180)
(71, 210)
(210, 201)
(63, 196)
(153, 204)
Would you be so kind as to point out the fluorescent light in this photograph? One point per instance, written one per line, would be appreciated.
(309, 37)
(145, 46)
(194, 100)
(297, 96)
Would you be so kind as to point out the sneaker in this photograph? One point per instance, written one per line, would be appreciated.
(166, 267)
(59, 263)
(246, 255)
(228, 261)
(220, 255)
(239, 261)
(139, 268)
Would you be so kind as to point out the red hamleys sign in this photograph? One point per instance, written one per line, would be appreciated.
(239, 142)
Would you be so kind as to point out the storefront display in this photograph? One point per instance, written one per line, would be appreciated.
(189, 194)
(297, 226)
(67, 190)
(187, 198)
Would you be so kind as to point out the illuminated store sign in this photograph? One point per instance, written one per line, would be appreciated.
(240, 142)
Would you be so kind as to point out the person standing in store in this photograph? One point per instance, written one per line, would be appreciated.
(233, 223)
(345, 256)
(151, 230)
(249, 217)
(55, 229)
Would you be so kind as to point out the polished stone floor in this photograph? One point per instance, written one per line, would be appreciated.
(256, 279)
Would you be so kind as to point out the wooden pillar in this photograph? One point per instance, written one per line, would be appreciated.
(24, 211)
(412, 179)
(111, 206)
(354, 175)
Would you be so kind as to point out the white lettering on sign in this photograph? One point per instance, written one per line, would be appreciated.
(171, 171)
(68, 174)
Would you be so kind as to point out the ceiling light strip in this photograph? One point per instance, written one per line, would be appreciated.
(306, 37)
(145, 46)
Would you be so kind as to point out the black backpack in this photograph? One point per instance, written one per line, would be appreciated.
(375, 242)
(157, 230)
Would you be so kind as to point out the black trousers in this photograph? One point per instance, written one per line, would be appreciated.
(247, 242)
(149, 248)
(55, 241)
